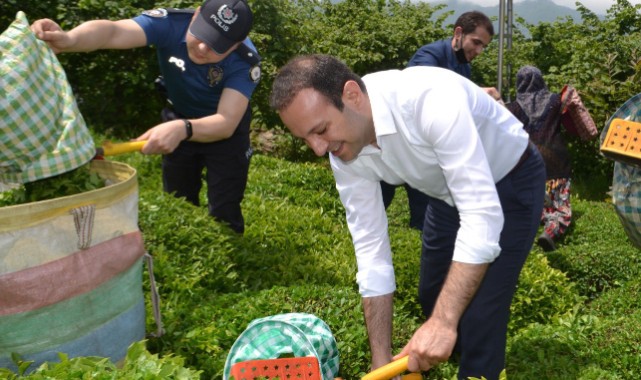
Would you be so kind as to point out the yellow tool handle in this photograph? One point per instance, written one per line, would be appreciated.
(388, 371)
(110, 149)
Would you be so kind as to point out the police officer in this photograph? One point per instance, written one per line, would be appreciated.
(210, 69)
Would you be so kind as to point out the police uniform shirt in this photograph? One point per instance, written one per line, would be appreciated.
(440, 54)
(193, 89)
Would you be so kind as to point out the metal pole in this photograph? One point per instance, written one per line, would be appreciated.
(509, 28)
(499, 71)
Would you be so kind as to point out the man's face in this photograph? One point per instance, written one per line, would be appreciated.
(473, 43)
(313, 118)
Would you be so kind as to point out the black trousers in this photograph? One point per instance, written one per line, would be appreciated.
(482, 330)
(416, 200)
(226, 167)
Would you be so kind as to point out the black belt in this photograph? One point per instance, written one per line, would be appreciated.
(524, 157)
(169, 113)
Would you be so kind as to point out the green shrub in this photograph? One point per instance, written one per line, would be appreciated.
(138, 364)
(543, 294)
(369, 35)
(551, 351)
(73, 182)
(215, 325)
(297, 255)
(619, 301)
(616, 343)
(598, 256)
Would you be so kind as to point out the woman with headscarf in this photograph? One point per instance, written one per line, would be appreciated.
(540, 112)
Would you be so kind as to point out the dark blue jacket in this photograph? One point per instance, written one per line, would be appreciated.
(440, 54)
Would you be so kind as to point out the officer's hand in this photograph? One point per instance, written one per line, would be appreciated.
(163, 138)
(50, 32)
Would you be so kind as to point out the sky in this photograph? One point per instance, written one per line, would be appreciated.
(597, 6)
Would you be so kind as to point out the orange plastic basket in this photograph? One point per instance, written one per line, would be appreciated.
(307, 368)
(623, 142)
(303, 368)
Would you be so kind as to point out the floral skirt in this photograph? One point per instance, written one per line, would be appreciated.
(557, 213)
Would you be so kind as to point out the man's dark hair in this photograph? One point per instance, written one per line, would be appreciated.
(469, 21)
(322, 73)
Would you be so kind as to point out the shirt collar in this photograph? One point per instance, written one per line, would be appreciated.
(370, 150)
(381, 112)
(382, 116)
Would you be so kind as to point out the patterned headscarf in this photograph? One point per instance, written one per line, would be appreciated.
(533, 96)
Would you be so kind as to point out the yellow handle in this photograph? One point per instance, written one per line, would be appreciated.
(110, 149)
(388, 371)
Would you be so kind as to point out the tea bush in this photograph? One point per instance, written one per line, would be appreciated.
(596, 255)
(76, 181)
(556, 350)
(543, 294)
(138, 364)
(297, 256)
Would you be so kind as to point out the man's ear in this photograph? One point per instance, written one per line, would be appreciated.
(458, 32)
(351, 91)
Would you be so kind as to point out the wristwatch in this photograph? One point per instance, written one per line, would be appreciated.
(188, 128)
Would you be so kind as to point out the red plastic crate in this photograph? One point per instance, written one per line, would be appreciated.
(305, 368)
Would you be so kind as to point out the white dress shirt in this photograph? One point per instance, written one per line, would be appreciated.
(443, 135)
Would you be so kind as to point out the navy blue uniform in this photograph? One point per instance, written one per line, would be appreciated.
(194, 91)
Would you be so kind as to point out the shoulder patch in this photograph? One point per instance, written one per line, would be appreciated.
(255, 73)
(160, 12)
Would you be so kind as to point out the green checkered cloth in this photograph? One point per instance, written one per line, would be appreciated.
(42, 132)
(626, 181)
(299, 334)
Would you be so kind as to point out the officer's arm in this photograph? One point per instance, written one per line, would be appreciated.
(165, 137)
(91, 35)
(231, 108)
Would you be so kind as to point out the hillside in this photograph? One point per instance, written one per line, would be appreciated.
(533, 11)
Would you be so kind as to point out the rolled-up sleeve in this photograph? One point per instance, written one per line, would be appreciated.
(367, 223)
(463, 160)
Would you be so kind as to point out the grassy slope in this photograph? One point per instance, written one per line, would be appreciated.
(296, 256)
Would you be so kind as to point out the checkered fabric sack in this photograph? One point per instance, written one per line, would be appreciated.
(42, 133)
(575, 117)
(626, 181)
(297, 334)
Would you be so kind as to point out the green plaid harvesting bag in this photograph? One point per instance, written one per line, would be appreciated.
(626, 181)
(297, 334)
(42, 133)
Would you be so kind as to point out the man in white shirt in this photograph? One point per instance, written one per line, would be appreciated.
(443, 135)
